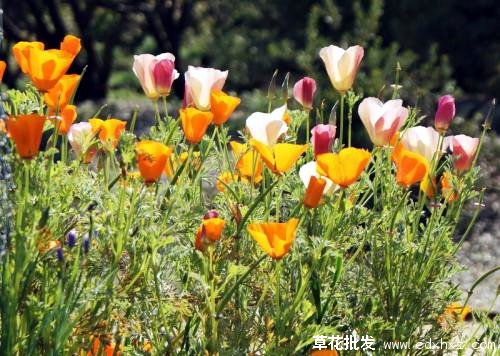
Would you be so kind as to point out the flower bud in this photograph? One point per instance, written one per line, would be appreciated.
(445, 113)
(322, 138)
(60, 254)
(211, 214)
(71, 238)
(303, 92)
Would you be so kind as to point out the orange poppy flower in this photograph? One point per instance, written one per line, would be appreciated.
(222, 106)
(60, 94)
(151, 158)
(411, 168)
(448, 188)
(65, 119)
(26, 132)
(195, 123)
(225, 178)
(345, 167)
(455, 312)
(46, 67)
(314, 192)
(210, 231)
(280, 157)
(247, 165)
(275, 239)
(109, 130)
(324, 353)
(21, 53)
(105, 349)
(3, 65)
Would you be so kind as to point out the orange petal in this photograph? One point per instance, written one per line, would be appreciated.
(26, 132)
(213, 228)
(46, 67)
(195, 123)
(66, 119)
(275, 239)
(21, 53)
(222, 106)
(3, 65)
(60, 95)
(151, 159)
(314, 192)
(411, 168)
(281, 157)
(71, 44)
(345, 167)
(248, 165)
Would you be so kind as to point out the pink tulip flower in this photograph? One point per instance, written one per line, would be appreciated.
(342, 65)
(464, 149)
(445, 113)
(382, 120)
(155, 73)
(303, 92)
(322, 138)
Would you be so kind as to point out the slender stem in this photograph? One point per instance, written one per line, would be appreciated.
(278, 301)
(157, 112)
(165, 108)
(308, 129)
(341, 135)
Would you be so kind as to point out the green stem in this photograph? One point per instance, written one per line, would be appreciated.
(341, 135)
(165, 108)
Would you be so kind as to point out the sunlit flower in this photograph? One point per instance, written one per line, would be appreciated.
(195, 123)
(155, 73)
(248, 165)
(222, 106)
(107, 349)
(345, 167)
(309, 171)
(109, 130)
(464, 149)
(60, 94)
(445, 113)
(26, 132)
(382, 120)
(303, 92)
(411, 167)
(46, 67)
(341, 65)
(80, 136)
(422, 140)
(314, 192)
(322, 138)
(453, 313)
(327, 352)
(267, 127)
(280, 157)
(199, 84)
(3, 65)
(448, 188)
(210, 231)
(275, 239)
(151, 158)
(225, 178)
(65, 119)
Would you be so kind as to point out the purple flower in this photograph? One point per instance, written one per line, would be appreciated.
(86, 243)
(71, 238)
(60, 254)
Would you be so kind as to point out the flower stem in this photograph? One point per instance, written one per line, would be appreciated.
(341, 135)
